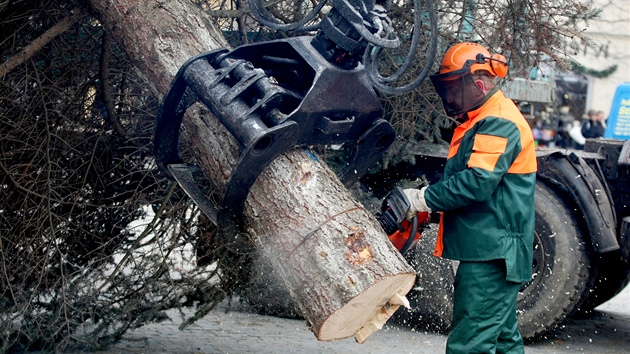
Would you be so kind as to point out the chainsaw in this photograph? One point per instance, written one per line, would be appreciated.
(403, 233)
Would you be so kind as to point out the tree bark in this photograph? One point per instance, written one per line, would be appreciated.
(340, 268)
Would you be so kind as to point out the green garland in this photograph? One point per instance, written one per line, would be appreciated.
(591, 72)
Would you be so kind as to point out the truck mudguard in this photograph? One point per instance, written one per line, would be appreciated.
(570, 170)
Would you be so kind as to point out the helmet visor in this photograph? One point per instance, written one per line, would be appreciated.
(458, 91)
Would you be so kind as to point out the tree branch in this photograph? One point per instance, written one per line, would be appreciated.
(105, 94)
(27, 52)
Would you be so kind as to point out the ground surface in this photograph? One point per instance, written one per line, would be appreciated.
(606, 332)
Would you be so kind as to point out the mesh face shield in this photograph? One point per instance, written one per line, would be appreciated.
(458, 91)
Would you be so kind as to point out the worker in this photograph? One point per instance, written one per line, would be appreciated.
(486, 200)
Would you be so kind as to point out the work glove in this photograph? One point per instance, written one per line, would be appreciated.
(416, 201)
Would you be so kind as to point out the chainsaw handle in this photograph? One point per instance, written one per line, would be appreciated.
(412, 235)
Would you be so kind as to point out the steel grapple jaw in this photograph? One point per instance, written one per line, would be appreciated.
(272, 97)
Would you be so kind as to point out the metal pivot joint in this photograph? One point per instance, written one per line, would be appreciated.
(271, 97)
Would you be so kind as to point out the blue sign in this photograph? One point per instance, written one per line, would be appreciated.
(618, 124)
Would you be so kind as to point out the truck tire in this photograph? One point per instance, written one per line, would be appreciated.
(560, 267)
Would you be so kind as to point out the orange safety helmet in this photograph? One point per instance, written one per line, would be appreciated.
(474, 56)
(455, 84)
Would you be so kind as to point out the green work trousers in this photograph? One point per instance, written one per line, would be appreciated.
(484, 311)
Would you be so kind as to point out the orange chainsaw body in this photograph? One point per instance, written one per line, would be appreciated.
(399, 237)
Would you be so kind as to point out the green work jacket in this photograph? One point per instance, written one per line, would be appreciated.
(486, 195)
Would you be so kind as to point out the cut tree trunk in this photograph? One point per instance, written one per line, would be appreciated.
(339, 266)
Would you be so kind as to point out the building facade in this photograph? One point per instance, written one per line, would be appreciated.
(609, 47)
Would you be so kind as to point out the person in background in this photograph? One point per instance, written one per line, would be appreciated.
(575, 133)
(601, 117)
(486, 197)
(594, 125)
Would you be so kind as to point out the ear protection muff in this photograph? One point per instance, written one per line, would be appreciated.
(499, 65)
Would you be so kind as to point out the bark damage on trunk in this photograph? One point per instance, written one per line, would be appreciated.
(339, 266)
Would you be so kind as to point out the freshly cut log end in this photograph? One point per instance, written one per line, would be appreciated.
(375, 323)
(380, 318)
(370, 309)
